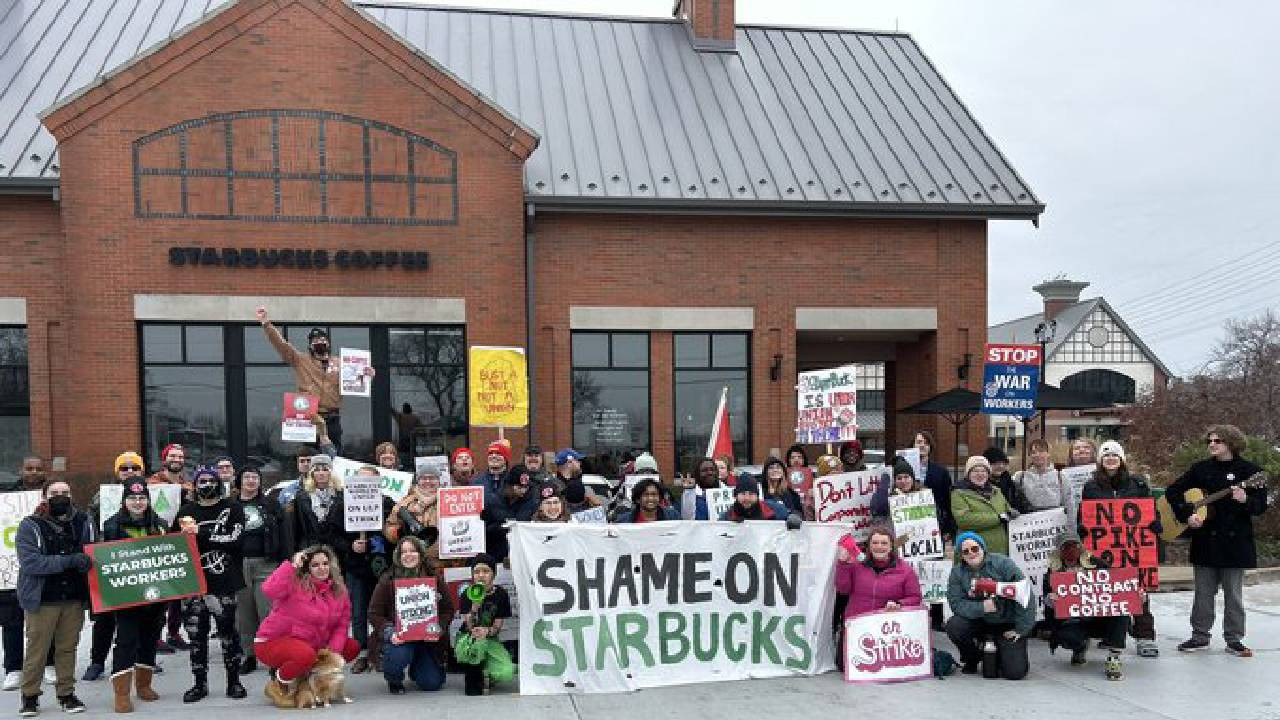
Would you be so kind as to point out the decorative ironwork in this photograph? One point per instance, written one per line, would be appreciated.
(166, 192)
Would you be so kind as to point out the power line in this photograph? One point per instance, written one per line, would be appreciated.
(1146, 298)
(1210, 298)
(1176, 332)
(1177, 291)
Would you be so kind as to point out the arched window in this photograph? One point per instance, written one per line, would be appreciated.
(1108, 384)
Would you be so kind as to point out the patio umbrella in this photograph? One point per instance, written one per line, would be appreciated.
(956, 406)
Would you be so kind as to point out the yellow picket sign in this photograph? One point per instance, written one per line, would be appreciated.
(499, 381)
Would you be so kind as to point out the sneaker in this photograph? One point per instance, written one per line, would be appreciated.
(1113, 667)
(396, 688)
(30, 706)
(13, 680)
(1193, 645)
(50, 675)
(1237, 648)
(93, 672)
(1078, 657)
(164, 648)
(71, 704)
(1148, 649)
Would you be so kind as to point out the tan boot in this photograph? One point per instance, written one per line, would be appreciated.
(142, 675)
(122, 684)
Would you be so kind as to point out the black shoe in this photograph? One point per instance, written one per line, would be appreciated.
(1237, 648)
(235, 690)
(396, 688)
(1078, 657)
(71, 704)
(970, 668)
(1193, 645)
(198, 692)
(93, 672)
(249, 665)
(30, 706)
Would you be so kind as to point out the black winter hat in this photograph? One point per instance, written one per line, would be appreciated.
(746, 484)
(995, 455)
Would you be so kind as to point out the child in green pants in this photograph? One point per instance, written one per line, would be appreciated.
(487, 660)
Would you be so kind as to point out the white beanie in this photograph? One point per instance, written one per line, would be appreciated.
(645, 462)
(1111, 447)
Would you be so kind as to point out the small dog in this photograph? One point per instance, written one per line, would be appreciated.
(326, 683)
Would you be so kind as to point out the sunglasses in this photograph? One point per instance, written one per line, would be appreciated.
(970, 550)
(130, 468)
(1213, 441)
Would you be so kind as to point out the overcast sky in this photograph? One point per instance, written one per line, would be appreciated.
(1148, 127)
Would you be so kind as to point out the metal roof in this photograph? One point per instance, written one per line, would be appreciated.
(1023, 330)
(629, 113)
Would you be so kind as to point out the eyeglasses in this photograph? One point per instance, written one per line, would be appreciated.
(130, 468)
(970, 550)
(1213, 441)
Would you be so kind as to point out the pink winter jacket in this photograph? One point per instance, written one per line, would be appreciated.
(868, 590)
(317, 618)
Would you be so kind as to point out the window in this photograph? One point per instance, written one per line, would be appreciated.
(1098, 339)
(610, 397)
(1106, 384)
(218, 389)
(706, 363)
(15, 398)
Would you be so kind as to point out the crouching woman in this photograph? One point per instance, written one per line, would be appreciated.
(423, 659)
(310, 611)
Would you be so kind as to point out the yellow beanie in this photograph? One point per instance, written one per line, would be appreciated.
(129, 457)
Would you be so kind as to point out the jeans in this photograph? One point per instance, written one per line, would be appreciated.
(253, 606)
(361, 593)
(418, 659)
(1208, 580)
(137, 631)
(969, 635)
(55, 625)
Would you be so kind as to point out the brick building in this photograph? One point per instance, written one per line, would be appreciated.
(655, 209)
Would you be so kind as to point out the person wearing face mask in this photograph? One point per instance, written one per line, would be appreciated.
(516, 501)
(310, 611)
(218, 525)
(978, 614)
(693, 498)
(417, 514)
(128, 468)
(53, 593)
(462, 467)
(777, 487)
(137, 628)
(30, 477)
(261, 548)
(646, 501)
(979, 506)
(424, 660)
(1074, 633)
(317, 508)
(1112, 480)
(316, 373)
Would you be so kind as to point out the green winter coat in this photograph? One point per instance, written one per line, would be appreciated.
(974, 512)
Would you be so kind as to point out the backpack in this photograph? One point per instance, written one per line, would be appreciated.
(944, 664)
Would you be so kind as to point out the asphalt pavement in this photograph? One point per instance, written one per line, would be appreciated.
(1208, 685)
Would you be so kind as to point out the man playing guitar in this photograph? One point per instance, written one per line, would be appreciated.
(1222, 544)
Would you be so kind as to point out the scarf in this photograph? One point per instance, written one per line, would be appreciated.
(321, 501)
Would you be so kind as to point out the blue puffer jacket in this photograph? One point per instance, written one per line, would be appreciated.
(1001, 569)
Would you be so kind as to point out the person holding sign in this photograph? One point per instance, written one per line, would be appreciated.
(980, 613)
(1112, 480)
(550, 506)
(904, 482)
(53, 592)
(128, 468)
(979, 507)
(1074, 633)
(310, 611)
(880, 580)
(485, 661)
(693, 500)
(27, 483)
(777, 487)
(364, 555)
(938, 479)
(417, 514)
(424, 659)
(137, 628)
(1222, 544)
(217, 524)
(646, 502)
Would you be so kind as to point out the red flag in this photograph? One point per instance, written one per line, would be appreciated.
(721, 438)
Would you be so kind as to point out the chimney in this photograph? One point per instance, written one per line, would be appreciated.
(1059, 293)
(710, 22)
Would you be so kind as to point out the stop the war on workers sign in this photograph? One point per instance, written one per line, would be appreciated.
(144, 570)
(1010, 378)
(624, 607)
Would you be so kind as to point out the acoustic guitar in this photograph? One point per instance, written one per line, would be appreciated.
(1173, 528)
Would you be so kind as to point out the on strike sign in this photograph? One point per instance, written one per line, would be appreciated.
(888, 647)
(1119, 532)
(1010, 377)
(1096, 593)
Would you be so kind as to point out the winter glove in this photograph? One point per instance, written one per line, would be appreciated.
(81, 562)
(984, 586)
(793, 521)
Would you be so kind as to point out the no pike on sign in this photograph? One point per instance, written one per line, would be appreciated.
(1010, 377)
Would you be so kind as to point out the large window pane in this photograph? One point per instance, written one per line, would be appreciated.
(187, 405)
(591, 350)
(348, 337)
(256, 347)
(697, 395)
(692, 351)
(610, 416)
(13, 346)
(204, 343)
(729, 351)
(630, 350)
(15, 400)
(162, 343)
(264, 396)
(436, 394)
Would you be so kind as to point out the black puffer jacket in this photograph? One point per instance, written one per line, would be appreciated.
(1123, 485)
(1226, 538)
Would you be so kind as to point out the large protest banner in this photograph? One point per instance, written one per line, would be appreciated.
(884, 647)
(393, 483)
(1096, 593)
(143, 571)
(1119, 532)
(915, 523)
(1032, 537)
(1010, 379)
(827, 405)
(165, 500)
(498, 383)
(846, 498)
(624, 607)
(13, 507)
